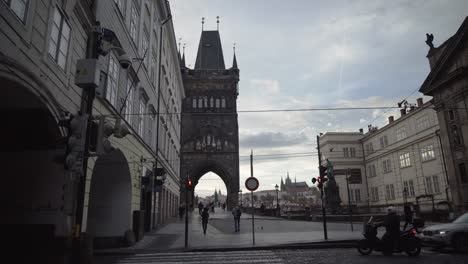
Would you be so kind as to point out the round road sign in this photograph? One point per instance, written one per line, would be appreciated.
(251, 184)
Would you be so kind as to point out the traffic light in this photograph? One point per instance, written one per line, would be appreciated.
(104, 131)
(323, 171)
(189, 184)
(76, 142)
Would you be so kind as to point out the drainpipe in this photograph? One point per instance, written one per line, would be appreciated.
(437, 132)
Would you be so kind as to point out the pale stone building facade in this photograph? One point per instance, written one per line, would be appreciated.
(400, 162)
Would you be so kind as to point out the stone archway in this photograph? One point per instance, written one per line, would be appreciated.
(35, 189)
(110, 200)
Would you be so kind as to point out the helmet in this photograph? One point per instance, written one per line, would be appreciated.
(391, 210)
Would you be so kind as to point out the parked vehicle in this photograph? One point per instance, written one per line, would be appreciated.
(408, 241)
(453, 234)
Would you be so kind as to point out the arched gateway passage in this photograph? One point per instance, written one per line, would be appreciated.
(223, 175)
(110, 198)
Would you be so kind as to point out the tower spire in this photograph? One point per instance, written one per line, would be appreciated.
(217, 23)
(183, 57)
(234, 60)
(202, 22)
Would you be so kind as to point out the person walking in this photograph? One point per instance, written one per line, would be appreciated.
(408, 215)
(200, 208)
(181, 211)
(236, 212)
(205, 215)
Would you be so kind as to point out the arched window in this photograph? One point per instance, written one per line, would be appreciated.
(194, 102)
(205, 99)
(217, 102)
(211, 102)
(200, 102)
(223, 102)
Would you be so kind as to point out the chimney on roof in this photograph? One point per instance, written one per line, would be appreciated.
(419, 101)
(403, 112)
(361, 130)
(391, 119)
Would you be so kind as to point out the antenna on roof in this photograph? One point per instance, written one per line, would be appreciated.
(202, 22)
(217, 23)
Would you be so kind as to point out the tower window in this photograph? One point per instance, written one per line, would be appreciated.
(223, 102)
(217, 102)
(194, 102)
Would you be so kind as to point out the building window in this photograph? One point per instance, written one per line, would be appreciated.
(355, 195)
(145, 48)
(451, 115)
(369, 148)
(141, 115)
(456, 135)
(401, 133)
(200, 102)
(212, 102)
(223, 102)
(387, 166)
(389, 192)
(383, 141)
(427, 153)
(372, 171)
(19, 7)
(150, 127)
(194, 102)
(346, 152)
(405, 160)
(409, 188)
(432, 184)
(59, 39)
(134, 19)
(375, 194)
(113, 80)
(153, 69)
(423, 122)
(130, 99)
(353, 152)
(463, 175)
(205, 100)
(217, 103)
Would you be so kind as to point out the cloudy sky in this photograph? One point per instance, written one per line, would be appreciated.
(314, 54)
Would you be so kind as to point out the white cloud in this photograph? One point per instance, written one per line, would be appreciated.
(271, 87)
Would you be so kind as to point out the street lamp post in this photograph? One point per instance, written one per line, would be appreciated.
(240, 202)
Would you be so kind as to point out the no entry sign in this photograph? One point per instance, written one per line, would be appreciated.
(251, 184)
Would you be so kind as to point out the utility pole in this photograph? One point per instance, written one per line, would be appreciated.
(324, 219)
(251, 197)
(349, 200)
(158, 110)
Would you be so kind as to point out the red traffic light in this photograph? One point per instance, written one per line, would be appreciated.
(189, 183)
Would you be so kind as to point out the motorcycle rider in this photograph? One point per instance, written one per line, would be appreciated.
(391, 222)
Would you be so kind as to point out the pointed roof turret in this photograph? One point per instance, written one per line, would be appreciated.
(210, 52)
(182, 62)
(234, 60)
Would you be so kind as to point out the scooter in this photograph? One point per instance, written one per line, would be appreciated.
(407, 242)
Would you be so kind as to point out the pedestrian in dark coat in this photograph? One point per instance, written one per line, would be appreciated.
(236, 212)
(205, 215)
(408, 216)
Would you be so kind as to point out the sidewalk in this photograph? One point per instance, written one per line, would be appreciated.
(172, 237)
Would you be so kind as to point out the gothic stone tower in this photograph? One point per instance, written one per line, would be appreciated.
(210, 132)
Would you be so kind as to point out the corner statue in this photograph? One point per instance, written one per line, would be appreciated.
(429, 40)
(332, 195)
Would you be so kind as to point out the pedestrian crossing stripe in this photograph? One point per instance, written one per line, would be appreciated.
(230, 257)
